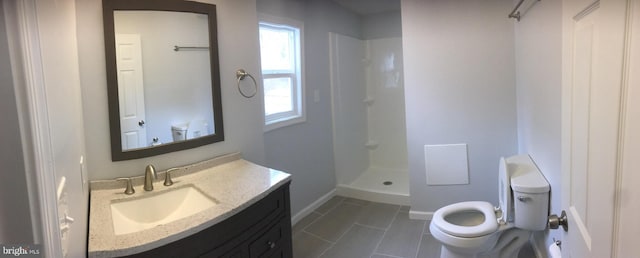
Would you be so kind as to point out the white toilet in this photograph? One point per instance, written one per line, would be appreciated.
(179, 132)
(477, 229)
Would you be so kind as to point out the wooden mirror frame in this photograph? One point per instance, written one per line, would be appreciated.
(108, 8)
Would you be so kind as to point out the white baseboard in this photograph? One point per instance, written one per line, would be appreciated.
(423, 215)
(313, 206)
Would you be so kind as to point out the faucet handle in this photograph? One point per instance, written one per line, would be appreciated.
(129, 190)
(167, 177)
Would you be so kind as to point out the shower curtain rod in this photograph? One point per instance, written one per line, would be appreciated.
(515, 13)
(178, 48)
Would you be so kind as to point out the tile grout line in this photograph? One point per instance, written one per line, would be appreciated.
(319, 237)
(387, 230)
(321, 215)
(332, 207)
(370, 227)
(374, 253)
(304, 229)
(337, 240)
(421, 238)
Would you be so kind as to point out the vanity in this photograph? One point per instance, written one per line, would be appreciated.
(223, 207)
(163, 89)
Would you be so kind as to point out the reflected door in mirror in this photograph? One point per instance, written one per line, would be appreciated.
(131, 88)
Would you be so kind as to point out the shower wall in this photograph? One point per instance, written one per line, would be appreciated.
(385, 89)
(368, 106)
(349, 91)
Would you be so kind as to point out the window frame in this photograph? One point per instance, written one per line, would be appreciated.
(298, 112)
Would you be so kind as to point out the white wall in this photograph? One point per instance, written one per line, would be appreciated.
(15, 222)
(238, 48)
(538, 43)
(305, 150)
(459, 88)
(177, 85)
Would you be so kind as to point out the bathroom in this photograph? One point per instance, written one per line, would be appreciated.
(508, 101)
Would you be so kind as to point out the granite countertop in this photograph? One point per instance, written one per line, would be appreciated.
(235, 183)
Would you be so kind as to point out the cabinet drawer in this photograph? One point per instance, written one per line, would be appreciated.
(269, 242)
(266, 210)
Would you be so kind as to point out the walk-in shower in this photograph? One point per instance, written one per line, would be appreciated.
(369, 136)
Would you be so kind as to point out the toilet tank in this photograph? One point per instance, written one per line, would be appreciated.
(530, 194)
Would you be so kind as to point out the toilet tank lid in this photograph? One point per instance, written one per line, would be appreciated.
(526, 177)
(181, 127)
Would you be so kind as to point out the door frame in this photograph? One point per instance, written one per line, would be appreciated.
(626, 191)
(28, 79)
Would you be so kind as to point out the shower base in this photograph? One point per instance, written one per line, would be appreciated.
(379, 185)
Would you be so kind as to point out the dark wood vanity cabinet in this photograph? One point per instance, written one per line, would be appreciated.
(261, 230)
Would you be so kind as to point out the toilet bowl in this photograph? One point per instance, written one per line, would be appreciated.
(478, 229)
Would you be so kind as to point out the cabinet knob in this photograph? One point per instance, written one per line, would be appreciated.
(271, 244)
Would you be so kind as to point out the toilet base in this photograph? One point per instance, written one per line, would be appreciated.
(507, 246)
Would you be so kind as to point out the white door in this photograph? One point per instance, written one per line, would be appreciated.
(593, 51)
(131, 91)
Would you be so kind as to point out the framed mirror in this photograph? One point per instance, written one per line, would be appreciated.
(163, 78)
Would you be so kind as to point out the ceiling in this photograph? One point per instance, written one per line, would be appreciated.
(367, 7)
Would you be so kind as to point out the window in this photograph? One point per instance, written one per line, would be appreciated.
(281, 58)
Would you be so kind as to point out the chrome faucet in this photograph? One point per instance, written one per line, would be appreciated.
(149, 176)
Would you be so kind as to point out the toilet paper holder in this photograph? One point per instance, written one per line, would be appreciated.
(555, 222)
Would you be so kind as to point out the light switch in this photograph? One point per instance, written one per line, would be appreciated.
(316, 95)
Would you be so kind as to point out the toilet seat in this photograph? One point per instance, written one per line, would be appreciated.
(488, 226)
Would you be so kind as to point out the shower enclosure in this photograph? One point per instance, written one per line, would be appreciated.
(369, 134)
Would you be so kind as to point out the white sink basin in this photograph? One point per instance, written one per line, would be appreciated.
(137, 214)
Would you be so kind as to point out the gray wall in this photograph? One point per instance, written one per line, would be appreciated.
(459, 88)
(15, 225)
(538, 44)
(382, 25)
(305, 150)
(242, 117)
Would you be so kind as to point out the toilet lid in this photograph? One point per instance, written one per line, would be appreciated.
(504, 183)
(488, 226)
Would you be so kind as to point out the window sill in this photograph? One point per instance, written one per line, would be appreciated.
(283, 122)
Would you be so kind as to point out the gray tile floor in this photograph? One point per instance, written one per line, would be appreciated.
(351, 228)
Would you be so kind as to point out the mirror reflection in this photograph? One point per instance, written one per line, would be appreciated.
(164, 80)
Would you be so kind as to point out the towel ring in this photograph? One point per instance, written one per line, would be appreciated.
(240, 75)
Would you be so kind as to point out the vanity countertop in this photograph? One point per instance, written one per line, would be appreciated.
(234, 182)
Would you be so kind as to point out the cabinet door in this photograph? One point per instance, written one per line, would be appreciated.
(270, 241)
(278, 254)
